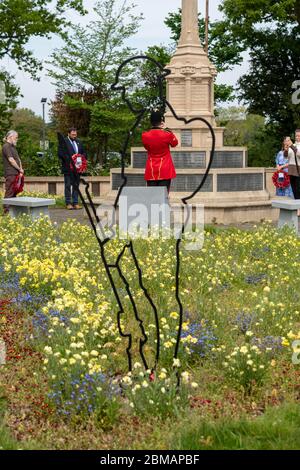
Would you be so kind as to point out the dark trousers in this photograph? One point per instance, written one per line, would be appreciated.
(71, 191)
(9, 191)
(166, 183)
(295, 183)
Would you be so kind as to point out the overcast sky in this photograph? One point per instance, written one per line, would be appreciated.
(152, 31)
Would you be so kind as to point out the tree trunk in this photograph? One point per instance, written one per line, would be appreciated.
(105, 149)
(100, 152)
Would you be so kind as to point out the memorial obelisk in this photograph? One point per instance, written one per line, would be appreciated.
(232, 192)
(190, 87)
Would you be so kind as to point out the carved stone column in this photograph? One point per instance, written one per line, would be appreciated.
(190, 87)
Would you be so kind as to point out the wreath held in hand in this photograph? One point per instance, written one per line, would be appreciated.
(281, 182)
(80, 163)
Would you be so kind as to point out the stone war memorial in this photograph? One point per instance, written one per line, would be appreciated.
(233, 192)
(143, 316)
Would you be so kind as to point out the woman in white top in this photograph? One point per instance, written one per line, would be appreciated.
(292, 152)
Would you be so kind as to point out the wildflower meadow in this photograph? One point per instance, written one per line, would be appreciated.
(66, 384)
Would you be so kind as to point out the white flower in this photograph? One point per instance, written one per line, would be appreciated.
(163, 390)
(194, 385)
(94, 353)
(127, 380)
(176, 363)
(185, 377)
(145, 384)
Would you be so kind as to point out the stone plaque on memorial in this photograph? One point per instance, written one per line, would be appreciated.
(182, 160)
(240, 182)
(186, 138)
(228, 159)
(183, 183)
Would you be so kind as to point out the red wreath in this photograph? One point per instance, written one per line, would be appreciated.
(282, 183)
(18, 184)
(80, 163)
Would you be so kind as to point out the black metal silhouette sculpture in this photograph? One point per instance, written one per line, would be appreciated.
(89, 206)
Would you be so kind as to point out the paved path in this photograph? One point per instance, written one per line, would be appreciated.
(61, 215)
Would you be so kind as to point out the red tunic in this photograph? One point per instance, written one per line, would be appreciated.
(159, 164)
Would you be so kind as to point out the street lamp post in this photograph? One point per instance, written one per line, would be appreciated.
(44, 101)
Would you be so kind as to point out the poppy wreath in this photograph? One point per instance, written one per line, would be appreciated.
(80, 163)
(18, 184)
(281, 183)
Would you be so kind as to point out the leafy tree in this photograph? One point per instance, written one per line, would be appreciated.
(87, 65)
(270, 31)
(22, 20)
(8, 101)
(250, 130)
(225, 51)
(91, 55)
(27, 124)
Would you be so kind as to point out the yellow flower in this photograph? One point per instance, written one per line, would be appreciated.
(162, 375)
(94, 353)
(176, 363)
(174, 315)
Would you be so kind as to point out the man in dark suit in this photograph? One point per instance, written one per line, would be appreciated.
(71, 179)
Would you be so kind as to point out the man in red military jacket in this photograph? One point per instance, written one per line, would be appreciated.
(160, 168)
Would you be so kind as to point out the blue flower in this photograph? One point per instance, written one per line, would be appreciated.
(244, 321)
(268, 344)
(82, 395)
(205, 337)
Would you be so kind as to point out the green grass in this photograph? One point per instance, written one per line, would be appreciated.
(7, 442)
(277, 429)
